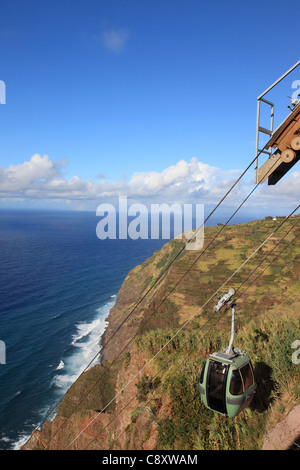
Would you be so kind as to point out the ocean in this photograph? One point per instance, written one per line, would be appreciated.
(58, 284)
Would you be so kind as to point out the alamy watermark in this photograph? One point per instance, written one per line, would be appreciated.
(2, 101)
(2, 92)
(295, 98)
(296, 354)
(2, 353)
(159, 221)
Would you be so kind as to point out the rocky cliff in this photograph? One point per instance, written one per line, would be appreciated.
(143, 394)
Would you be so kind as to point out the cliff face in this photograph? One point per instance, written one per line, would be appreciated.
(142, 397)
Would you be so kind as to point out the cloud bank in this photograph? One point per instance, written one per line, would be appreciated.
(186, 181)
(40, 177)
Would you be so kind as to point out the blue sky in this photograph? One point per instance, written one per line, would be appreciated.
(110, 96)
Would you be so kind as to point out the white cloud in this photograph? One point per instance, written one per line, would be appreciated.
(180, 180)
(285, 192)
(18, 178)
(114, 39)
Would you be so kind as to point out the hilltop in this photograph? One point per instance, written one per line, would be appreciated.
(149, 395)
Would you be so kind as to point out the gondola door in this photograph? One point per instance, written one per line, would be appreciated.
(216, 386)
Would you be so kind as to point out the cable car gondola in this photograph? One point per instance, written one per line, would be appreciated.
(227, 384)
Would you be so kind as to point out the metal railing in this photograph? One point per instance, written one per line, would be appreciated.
(262, 129)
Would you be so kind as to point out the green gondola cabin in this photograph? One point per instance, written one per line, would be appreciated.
(227, 383)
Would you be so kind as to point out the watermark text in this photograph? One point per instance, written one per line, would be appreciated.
(296, 354)
(2, 92)
(2, 352)
(137, 221)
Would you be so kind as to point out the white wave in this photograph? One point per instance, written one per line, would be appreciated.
(86, 345)
(84, 329)
(22, 439)
(18, 442)
(86, 340)
(61, 365)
